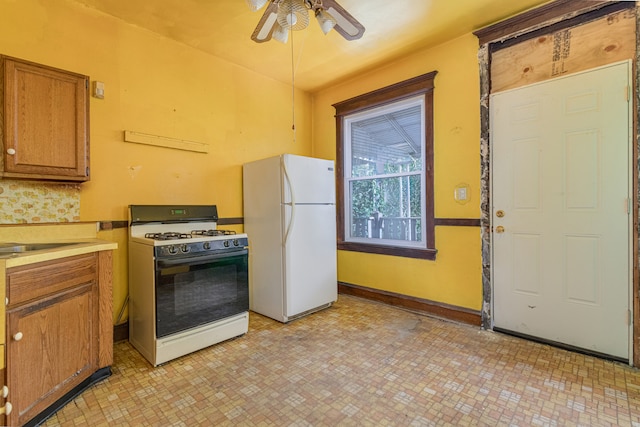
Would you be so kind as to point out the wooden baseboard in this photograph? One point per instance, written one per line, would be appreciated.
(121, 332)
(431, 308)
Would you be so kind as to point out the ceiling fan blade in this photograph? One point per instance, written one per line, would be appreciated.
(267, 23)
(346, 25)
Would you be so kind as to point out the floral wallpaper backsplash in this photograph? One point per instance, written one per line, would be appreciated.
(38, 202)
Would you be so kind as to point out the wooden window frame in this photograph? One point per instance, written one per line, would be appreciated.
(417, 86)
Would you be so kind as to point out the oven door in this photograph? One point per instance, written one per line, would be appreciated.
(198, 290)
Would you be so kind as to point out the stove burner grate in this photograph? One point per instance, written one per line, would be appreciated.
(169, 235)
(212, 232)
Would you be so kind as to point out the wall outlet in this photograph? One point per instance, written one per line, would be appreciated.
(461, 193)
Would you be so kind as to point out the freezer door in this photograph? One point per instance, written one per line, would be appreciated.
(311, 180)
(310, 258)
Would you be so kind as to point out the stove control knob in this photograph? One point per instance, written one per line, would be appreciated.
(226, 243)
(172, 249)
(185, 248)
(206, 245)
(235, 242)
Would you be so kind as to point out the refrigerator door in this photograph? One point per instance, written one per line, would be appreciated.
(262, 186)
(310, 258)
(308, 180)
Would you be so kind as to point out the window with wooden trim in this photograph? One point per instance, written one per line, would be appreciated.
(384, 168)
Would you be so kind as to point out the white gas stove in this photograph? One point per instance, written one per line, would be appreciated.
(188, 280)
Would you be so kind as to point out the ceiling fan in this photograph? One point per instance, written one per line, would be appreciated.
(281, 16)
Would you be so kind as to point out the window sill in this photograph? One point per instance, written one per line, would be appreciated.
(429, 254)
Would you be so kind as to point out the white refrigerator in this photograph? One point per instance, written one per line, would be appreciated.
(290, 218)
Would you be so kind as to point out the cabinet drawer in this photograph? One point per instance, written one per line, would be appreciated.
(28, 282)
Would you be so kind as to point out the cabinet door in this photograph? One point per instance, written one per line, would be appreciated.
(51, 348)
(45, 123)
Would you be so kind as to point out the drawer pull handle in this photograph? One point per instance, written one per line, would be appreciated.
(5, 391)
(18, 336)
(11, 151)
(6, 409)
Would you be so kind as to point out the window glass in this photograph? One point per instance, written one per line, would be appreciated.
(384, 194)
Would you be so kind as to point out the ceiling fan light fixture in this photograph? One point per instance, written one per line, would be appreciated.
(255, 5)
(293, 15)
(292, 20)
(280, 34)
(325, 20)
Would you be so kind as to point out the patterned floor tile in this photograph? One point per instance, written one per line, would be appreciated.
(361, 363)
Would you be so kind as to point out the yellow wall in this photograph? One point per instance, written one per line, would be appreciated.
(455, 276)
(160, 87)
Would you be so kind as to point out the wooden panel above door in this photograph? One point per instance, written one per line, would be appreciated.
(595, 43)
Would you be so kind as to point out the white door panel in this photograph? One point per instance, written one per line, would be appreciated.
(560, 174)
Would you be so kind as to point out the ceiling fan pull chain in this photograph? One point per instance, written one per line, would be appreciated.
(293, 92)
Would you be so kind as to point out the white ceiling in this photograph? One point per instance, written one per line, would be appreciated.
(394, 28)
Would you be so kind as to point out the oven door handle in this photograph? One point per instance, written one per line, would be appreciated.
(200, 259)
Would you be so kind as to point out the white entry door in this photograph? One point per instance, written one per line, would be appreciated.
(561, 210)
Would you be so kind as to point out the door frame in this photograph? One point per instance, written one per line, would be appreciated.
(555, 16)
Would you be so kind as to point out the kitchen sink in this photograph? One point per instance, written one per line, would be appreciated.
(12, 248)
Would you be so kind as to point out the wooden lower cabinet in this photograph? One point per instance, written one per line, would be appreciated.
(52, 332)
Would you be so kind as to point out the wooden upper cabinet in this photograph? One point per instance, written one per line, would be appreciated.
(45, 122)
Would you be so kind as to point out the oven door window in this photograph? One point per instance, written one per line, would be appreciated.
(196, 292)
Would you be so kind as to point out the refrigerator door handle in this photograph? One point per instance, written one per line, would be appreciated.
(283, 164)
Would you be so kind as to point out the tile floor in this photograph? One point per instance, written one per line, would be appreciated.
(361, 363)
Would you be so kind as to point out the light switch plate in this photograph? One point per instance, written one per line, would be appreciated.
(98, 90)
